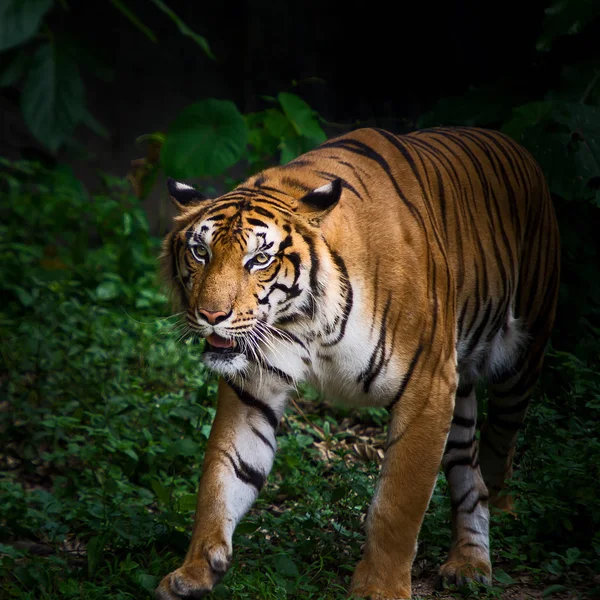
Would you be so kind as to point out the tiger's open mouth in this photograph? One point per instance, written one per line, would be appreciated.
(221, 345)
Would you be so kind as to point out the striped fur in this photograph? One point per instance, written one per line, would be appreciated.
(389, 271)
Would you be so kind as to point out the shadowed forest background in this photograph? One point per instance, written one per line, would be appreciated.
(105, 410)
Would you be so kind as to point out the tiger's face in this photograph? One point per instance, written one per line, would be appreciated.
(241, 267)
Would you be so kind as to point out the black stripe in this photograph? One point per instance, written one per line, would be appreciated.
(347, 287)
(471, 509)
(464, 390)
(456, 445)
(463, 421)
(249, 400)
(463, 461)
(457, 503)
(471, 530)
(407, 377)
(245, 472)
(262, 438)
(256, 222)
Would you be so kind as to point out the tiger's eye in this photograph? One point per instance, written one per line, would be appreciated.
(199, 252)
(262, 258)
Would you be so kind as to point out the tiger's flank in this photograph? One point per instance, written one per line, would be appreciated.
(388, 270)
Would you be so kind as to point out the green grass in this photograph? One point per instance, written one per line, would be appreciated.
(105, 413)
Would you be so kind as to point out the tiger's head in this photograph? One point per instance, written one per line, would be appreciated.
(244, 263)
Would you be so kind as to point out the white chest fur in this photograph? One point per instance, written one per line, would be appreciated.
(359, 369)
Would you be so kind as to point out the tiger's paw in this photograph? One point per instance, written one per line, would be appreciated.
(458, 573)
(196, 578)
(370, 584)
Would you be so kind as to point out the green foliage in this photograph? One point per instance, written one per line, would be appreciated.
(209, 137)
(204, 140)
(565, 139)
(20, 20)
(53, 98)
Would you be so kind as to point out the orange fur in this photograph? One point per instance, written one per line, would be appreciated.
(394, 271)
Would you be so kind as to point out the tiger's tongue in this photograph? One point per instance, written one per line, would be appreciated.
(218, 342)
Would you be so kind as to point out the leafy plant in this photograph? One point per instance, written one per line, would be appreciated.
(49, 64)
(210, 136)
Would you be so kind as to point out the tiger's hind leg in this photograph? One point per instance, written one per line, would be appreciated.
(508, 403)
(469, 557)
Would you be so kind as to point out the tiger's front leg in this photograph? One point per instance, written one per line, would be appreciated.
(420, 421)
(238, 458)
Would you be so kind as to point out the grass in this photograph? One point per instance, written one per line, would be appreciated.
(105, 413)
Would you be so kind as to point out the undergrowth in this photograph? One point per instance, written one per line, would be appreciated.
(105, 413)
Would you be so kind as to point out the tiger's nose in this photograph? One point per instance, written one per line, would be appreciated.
(214, 316)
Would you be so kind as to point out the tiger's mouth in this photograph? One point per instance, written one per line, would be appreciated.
(220, 345)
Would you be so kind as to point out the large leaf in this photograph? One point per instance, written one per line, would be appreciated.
(525, 116)
(20, 20)
(302, 117)
(204, 140)
(53, 97)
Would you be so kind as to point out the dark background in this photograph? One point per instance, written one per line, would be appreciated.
(356, 63)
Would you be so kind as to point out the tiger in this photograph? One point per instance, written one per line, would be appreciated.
(387, 270)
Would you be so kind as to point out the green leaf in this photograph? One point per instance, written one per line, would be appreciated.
(527, 115)
(183, 28)
(277, 124)
(553, 589)
(108, 290)
(286, 566)
(147, 581)
(573, 555)
(187, 503)
(95, 549)
(20, 20)
(185, 447)
(162, 493)
(502, 577)
(293, 147)
(302, 117)
(204, 140)
(53, 96)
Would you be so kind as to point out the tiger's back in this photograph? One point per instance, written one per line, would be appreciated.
(388, 270)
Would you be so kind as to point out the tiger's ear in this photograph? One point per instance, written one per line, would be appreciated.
(318, 203)
(182, 194)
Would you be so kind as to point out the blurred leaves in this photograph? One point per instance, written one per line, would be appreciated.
(53, 96)
(565, 139)
(209, 137)
(20, 20)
